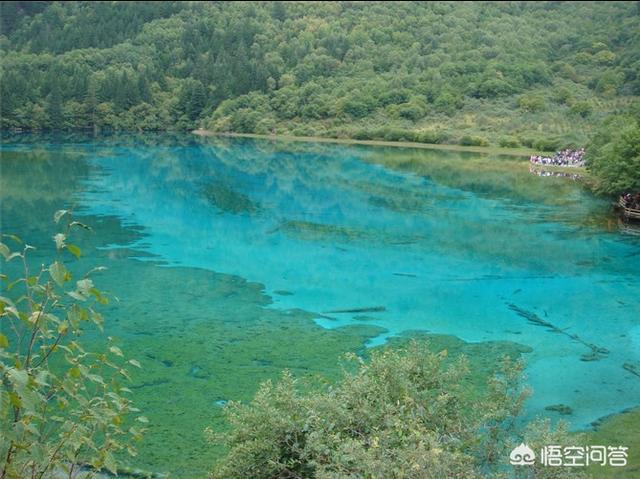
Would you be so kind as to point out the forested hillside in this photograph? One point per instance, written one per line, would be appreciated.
(540, 74)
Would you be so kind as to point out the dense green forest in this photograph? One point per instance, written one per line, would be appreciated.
(539, 74)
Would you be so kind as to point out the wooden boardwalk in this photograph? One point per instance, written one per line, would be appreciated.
(628, 213)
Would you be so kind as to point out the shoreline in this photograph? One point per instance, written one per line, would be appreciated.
(580, 170)
(496, 150)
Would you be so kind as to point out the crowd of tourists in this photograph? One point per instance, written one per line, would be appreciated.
(566, 157)
(631, 201)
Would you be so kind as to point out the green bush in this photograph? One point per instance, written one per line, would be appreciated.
(448, 102)
(527, 141)
(265, 126)
(469, 140)
(362, 135)
(547, 144)
(413, 110)
(430, 136)
(245, 120)
(613, 155)
(531, 103)
(406, 413)
(358, 104)
(563, 96)
(582, 108)
(509, 142)
(386, 134)
(398, 134)
(303, 130)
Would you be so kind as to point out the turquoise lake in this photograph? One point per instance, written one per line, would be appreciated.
(233, 259)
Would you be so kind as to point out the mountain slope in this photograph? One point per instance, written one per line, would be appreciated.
(504, 72)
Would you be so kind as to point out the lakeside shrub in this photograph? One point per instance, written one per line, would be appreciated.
(406, 412)
(527, 141)
(509, 142)
(472, 140)
(430, 136)
(613, 155)
(397, 134)
(61, 406)
(386, 134)
(362, 135)
(547, 144)
(303, 131)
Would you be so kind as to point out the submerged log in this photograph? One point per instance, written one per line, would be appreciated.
(372, 309)
(632, 369)
(597, 352)
(560, 408)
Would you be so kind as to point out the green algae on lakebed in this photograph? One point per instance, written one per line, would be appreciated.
(617, 430)
(205, 338)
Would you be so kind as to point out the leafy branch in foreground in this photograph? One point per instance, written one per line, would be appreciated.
(61, 407)
(405, 413)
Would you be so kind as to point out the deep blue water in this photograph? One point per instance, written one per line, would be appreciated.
(431, 240)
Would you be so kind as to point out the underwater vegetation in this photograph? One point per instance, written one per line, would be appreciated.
(227, 200)
(618, 429)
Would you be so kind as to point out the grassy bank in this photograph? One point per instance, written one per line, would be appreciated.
(490, 150)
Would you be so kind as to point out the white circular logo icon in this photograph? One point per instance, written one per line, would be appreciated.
(522, 455)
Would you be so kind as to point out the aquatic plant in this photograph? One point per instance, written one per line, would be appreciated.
(62, 407)
(227, 200)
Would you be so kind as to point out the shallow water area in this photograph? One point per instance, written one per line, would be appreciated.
(234, 259)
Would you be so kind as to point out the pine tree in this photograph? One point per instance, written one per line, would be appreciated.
(279, 11)
(91, 104)
(54, 109)
(198, 100)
